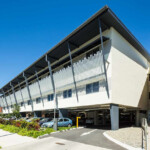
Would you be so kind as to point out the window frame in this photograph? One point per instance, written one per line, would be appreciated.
(22, 103)
(67, 93)
(38, 100)
(50, 97)
(92, 87)
(29, 102)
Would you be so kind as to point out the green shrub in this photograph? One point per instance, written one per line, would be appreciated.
(9, 128)
(33, 126)
(24, 124)
(24, 128)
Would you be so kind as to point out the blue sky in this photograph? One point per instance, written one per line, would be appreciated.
(29, 28)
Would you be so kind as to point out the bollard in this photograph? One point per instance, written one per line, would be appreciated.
(77, 121)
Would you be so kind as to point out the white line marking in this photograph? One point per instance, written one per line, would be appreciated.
(86, 133)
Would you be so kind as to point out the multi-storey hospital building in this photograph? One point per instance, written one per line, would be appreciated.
(100, 71)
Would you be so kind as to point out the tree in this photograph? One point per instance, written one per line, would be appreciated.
(16, 111)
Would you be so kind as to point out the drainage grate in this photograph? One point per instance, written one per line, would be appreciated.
(60, 143)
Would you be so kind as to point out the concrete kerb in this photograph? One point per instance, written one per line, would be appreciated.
(120, 143)
(47, 135)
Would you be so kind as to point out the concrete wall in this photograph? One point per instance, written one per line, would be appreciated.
(129, 73)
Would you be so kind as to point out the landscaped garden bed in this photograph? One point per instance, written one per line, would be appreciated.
(31, 129)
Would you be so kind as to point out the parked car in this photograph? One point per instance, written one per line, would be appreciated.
(62, 122)
(34, 118)
(40, 118)
(44, 120)
(29, 119)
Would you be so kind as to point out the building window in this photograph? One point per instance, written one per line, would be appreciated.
(22, 103)
(4, 108)
(11, 106)
(29, 102)
(50, 97)
(92, 88)
(88, 88)
(96, 87)
(67, 93)
(38, 100)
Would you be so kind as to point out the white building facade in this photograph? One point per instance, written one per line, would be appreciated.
(105, 77)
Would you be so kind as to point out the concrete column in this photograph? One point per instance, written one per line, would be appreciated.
(43, 114)
(137, 118)
(114, 116)
(63, 113)
(95, 118)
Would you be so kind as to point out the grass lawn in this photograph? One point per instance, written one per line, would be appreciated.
(31, 133)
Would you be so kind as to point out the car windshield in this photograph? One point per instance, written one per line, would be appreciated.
(43, 119)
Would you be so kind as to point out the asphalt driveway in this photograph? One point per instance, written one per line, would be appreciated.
(77, 139)
(88, 136)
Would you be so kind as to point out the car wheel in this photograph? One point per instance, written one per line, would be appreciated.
(69, 125)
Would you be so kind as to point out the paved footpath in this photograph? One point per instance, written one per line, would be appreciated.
(52, 143)
(10, 139)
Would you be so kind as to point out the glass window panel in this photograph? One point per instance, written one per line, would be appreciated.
(38, 100)
(65, 94)
(29, 102)
(69, 93)
(61, 120)
(88, 88)
(22, 103)
(52, 97)
(49, 97)
(96, 87)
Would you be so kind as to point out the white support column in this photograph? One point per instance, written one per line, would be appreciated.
(114, 115)
(137, 118)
